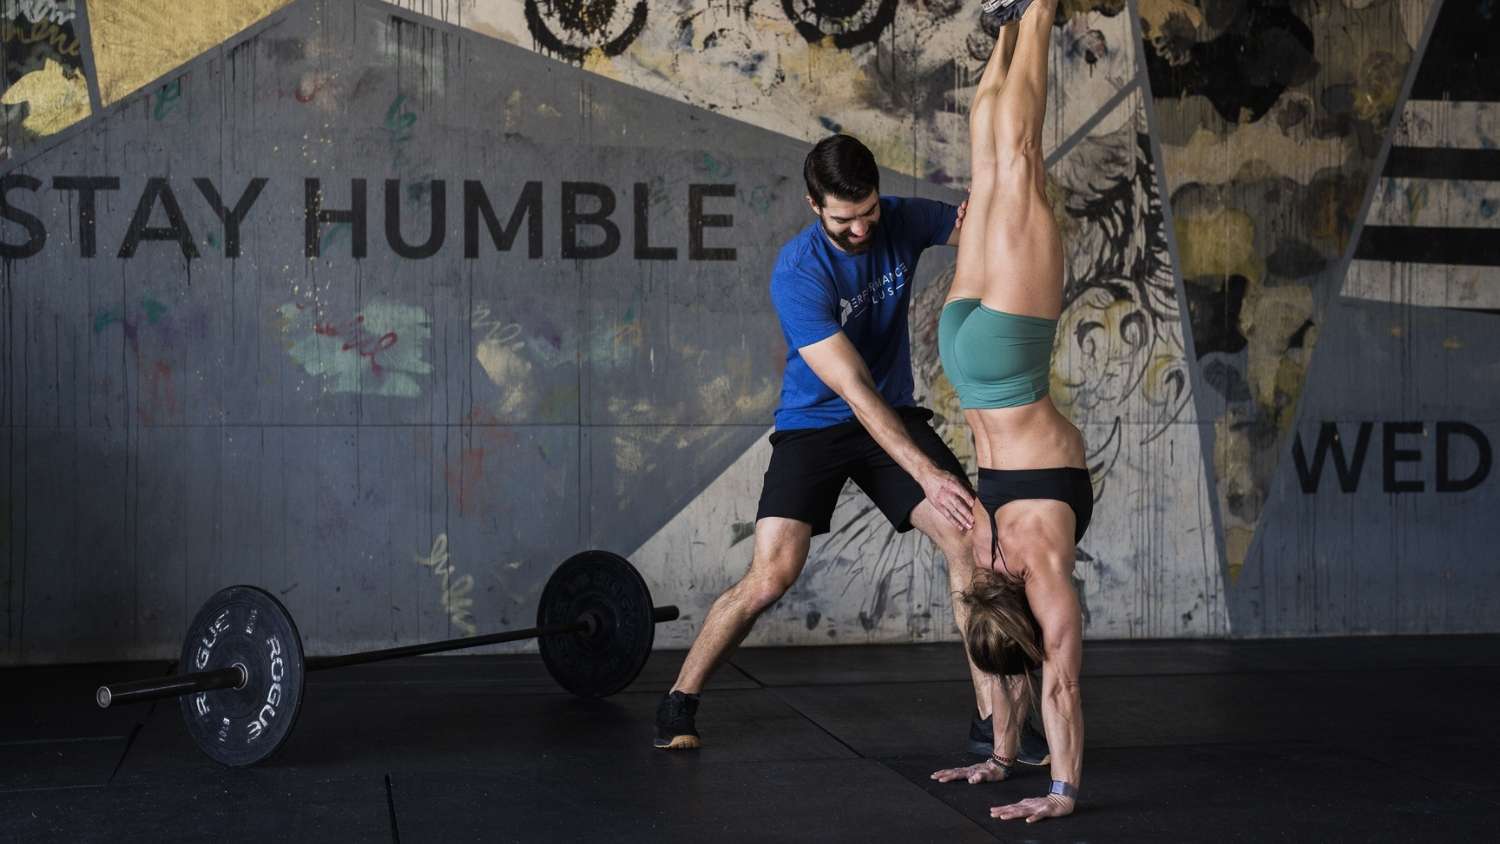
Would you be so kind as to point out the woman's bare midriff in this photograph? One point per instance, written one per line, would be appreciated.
(1033, 436)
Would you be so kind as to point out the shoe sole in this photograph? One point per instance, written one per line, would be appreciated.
(1008, 14)
(680, 743)
(979, 748)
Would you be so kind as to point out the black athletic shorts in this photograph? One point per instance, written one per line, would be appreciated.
(809, 466)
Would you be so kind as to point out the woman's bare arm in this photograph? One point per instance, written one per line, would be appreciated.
(1049, 590)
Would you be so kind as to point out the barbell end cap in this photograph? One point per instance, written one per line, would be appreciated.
(667, 613)
(103, 697)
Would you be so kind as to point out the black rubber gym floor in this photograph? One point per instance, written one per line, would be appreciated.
(1374, 739)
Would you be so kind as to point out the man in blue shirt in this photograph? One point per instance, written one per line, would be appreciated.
(841, 289)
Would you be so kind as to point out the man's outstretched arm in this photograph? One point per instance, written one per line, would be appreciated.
(838, 364)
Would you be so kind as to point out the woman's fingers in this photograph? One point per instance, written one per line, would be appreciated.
(1014, 810)
(974, 774)
(949, 774)
(1032, 809)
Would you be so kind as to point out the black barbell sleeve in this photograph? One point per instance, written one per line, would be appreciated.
(182, 684)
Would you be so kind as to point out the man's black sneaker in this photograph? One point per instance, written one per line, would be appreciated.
(1033, 750)
(675, 729)
(981, 736)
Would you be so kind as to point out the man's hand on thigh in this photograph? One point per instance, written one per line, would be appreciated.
(953, 542)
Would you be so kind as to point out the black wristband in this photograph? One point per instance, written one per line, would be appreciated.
(1063, 789)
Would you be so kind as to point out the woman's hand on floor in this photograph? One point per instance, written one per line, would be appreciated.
(985, 771)
(1034, 809)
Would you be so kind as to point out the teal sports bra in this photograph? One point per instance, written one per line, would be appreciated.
(992, 358)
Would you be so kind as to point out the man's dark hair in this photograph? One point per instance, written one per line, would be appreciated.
(841, 166)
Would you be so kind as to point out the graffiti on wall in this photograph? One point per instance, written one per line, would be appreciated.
(42, 84)
(573, 28)
(1429, 237)
(899, 75)
(455, 591)
(380, 350)
(1120, 339)
(155, 335)
(1269, 117)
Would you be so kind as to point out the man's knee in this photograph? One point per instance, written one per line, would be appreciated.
(759, 590)
(770, 577)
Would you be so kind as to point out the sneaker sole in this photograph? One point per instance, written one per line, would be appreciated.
(979, 748)
(1008, 14)
(680, 743)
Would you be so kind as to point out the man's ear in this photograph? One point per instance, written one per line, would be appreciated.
(813, 204)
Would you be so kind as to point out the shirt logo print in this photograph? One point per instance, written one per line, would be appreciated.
(888, 285)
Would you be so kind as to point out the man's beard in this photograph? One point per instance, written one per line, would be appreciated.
(842, 241)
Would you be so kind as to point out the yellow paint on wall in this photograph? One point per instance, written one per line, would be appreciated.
(1254, 151)
(1269, 317)
(1155, 15)
(1380, 79)
(895, 153)
(595, 61)
(1232, 454)
(1218, 243)
(137, 41)
(630, 459)
(827, 75)
(1236, 548)
(508, 369)
(55, 100)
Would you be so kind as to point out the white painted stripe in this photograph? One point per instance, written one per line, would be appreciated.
(1436, 202)
(1453, 125)
(1424, 285)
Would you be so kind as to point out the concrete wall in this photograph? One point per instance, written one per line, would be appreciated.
(391, 307)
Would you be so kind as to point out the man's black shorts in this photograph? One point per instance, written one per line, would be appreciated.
(809, 466)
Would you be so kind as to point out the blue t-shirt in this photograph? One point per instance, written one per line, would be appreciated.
(819, 290)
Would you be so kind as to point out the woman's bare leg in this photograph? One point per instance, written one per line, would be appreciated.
(1022, 247)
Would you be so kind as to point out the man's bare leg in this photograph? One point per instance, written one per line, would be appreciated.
(780, 553)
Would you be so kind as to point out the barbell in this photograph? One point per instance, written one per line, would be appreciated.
(245, 667)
